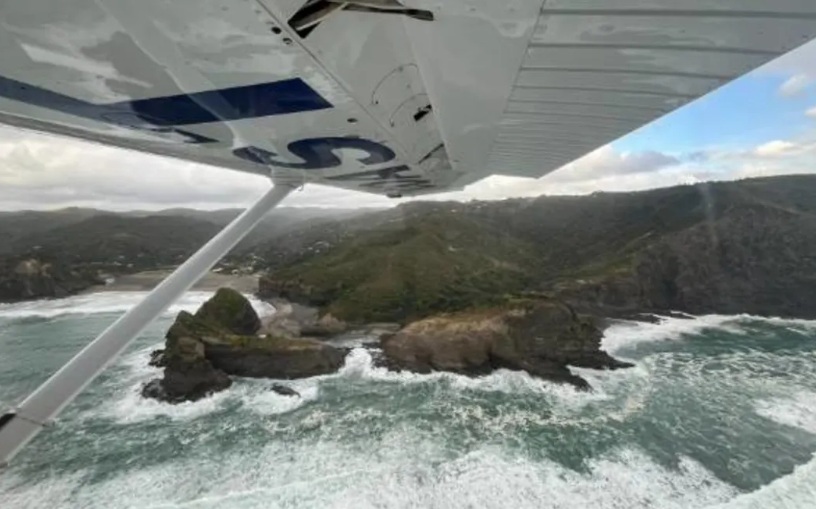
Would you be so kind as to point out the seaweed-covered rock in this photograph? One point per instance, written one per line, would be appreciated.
(539, 336)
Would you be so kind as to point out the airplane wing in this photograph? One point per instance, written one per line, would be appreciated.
(397, 97)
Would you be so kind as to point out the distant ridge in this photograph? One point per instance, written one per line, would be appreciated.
(725, 247)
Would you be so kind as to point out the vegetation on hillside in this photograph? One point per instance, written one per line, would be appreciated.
(746, 246)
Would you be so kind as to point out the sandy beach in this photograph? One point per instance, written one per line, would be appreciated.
(145, 281)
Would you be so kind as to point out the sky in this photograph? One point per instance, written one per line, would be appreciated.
(762, 124)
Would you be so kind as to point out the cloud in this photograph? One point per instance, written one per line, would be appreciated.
(775, 148)
(606, 161)
(605, 169)
(796, 84)
(811, 112)
(40, 172)
(609, 170)
(797, 66)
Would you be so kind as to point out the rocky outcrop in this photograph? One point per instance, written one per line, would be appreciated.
(541, 337)
(292, 320)
(271, 357)
(157, 359)
(202, 350)
(285, 391)
(34, 278)
(231, 310)
(188, 375)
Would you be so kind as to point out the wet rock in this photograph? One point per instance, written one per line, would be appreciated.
(154, 390)
(157, 359)
(284, 390)
(541, 337)
(188, 376)
(272, 357)
(202, 350)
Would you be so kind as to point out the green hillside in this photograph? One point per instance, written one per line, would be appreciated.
(746, 246)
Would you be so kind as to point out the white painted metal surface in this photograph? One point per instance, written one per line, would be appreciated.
(44, 404)
(596, 70)
(205, 79)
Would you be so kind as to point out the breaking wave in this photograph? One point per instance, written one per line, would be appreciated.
(627, 334)
(369, 437)
(106, 302)
(381, 477)
(797, 490)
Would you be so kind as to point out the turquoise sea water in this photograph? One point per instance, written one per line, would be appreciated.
(720, 411)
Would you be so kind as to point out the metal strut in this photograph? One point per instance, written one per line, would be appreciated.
(17, 428)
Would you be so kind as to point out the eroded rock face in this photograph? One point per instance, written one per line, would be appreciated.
(188, 375)
(32, 278)
(157, 359)
(270, 357)
(541, 337)
(202, 350)
(293, 320)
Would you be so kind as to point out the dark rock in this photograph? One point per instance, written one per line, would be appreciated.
(188, 376)
(541, 337)
(271, 357)
(157, 359)
(154, 389)
(284, 390)
(26, 278)
(201, 350)
(230, 310)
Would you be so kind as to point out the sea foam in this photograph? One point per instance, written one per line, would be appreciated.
(797, 490)
(627, 334)
(389, 474)
(107, 302)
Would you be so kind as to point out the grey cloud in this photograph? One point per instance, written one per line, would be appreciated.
(40, 171)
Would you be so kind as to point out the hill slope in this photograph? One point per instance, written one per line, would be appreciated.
(52, 254)
(746, 246)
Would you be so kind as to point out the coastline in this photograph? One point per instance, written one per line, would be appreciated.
(147, 280)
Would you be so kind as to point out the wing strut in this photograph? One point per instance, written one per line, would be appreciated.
(43, 405)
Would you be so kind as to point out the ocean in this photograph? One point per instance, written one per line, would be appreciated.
(719, 412)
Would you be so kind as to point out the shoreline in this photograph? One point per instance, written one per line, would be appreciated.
(147, 280)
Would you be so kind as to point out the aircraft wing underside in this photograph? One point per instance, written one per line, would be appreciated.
(392, 97)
